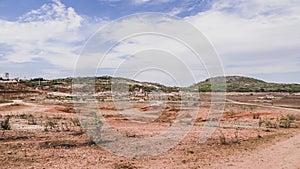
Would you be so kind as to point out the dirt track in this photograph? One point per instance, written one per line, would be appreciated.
(260, 105)
(285, 154)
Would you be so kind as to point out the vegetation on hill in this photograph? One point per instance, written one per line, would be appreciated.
(104, 83)
(246, 84)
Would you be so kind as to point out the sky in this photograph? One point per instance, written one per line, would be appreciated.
(46, 38)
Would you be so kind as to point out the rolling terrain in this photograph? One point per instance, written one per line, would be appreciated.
(41, 128)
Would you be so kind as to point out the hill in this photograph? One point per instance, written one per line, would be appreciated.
(103, 83)
(246, 84)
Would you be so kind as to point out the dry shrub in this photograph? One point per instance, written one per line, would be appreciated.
(124, 165)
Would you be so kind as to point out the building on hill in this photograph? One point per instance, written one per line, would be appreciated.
(5, 77)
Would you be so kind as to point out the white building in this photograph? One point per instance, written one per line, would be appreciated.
(6, 76)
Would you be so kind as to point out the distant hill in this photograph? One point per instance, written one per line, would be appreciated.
(103, 83)
(246, 84)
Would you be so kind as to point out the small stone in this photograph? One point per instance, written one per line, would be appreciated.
(9, 152)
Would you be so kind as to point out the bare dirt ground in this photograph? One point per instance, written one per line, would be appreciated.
(284, 154)
(254, 132)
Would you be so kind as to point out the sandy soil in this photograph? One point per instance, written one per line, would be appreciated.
(282, 155)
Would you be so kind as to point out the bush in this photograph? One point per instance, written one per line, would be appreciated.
(5, 124)
(291, 117)
(75, 121)
(267, 123)
(31, 120)
(124, 165)
(284, 123)
(256, 116)
(222, 138)
(49, 126)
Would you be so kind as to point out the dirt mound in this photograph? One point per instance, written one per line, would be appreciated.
(106, 107)
(167, 117)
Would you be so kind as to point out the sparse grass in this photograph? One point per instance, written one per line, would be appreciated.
(282, 122)
(266, 122)
(230, 113)
(222, 138)
(75, 121)
(49, 125)
(252, 107)
(22, 116)
(285, 122)
(57, 117)
(65, 126)
(236, 136)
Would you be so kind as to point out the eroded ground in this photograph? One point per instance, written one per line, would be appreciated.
(255, 130)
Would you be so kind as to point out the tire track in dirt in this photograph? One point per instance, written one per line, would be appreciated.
(281, 155)
(260, 105)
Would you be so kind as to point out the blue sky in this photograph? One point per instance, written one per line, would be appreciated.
(253, 38)
(111, 9)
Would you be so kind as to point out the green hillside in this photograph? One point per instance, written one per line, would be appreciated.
(246, 84)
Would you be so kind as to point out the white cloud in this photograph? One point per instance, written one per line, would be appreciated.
(251, 36)
(53, 32)
(251, 33)
(152, 2)
(176, 11)
(110, 1)
(150, 40)
(138, 2)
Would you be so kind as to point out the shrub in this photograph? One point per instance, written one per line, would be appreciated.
(31, 120)
(75, 121)
(236, 136)
(190, 151)
(5, 124)
(49, 125)
(125, 165)
(284, 123)
(256, 116)
(222, 138)
(267, 123)
(291, 117)
(230, 113)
